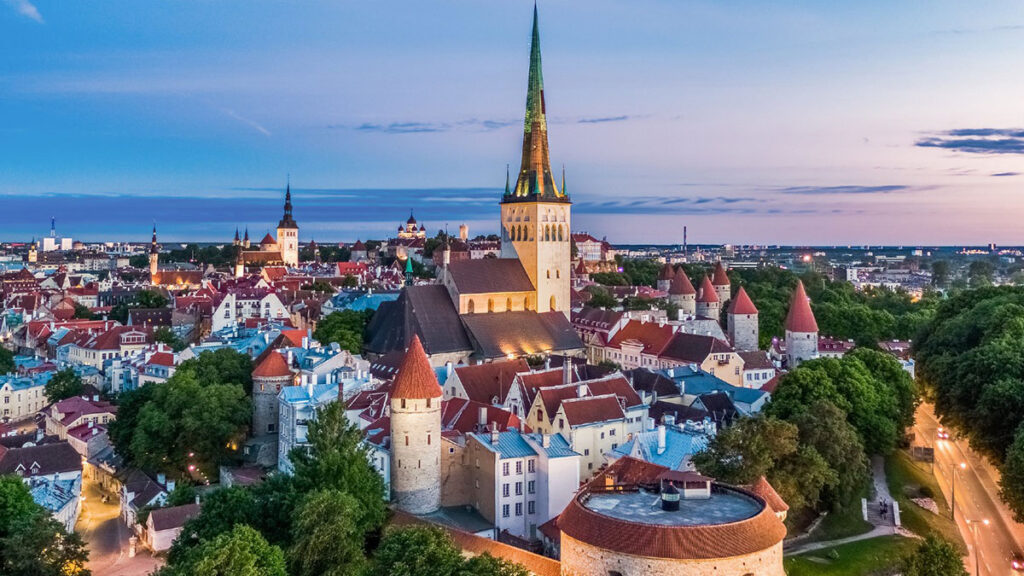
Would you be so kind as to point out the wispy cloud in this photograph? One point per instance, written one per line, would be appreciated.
(603, 119)
(26, 9)
(1004, 174)
(977, 140)
(251, 123)
(416, 127)
(1001, 28)
(829, 190)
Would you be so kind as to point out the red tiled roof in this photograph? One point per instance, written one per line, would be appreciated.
(484, 382)
(553, 396)
(681, 284)
(770, 385)
(173, 517)
(617, 385)
(800, 317)
(273, 366)
(720, 277)
(579, 411)
(667, 272)
(416, 379)
(294, 337)
(702, 542)
(473, 545)
(653, 336)
(741, 303)
(268, 239)
(707, 291)
(765, 491)
(162, 359)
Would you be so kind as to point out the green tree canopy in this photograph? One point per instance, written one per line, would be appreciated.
(416, 551)
(222, 366)
(241, 551)
(346, 327)
(934, 557)
(6, 361)
(165, 335)
(31, 541)
(761, 446)
(328, 535)
(64, 384)
(336, 458)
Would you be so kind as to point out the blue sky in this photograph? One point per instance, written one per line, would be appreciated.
(748, 121)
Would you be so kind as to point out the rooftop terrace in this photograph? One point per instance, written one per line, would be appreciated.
(725, 506)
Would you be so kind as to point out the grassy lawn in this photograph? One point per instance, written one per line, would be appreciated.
(906, 478)
(842, 524)
(862, 558)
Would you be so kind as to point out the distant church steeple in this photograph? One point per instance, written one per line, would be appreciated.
(288, 231)
(154, 258)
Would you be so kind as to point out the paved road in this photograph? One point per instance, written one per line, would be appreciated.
(107, 536)
(976, 499)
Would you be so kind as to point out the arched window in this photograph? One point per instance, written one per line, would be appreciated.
(526, 303)
(490, 304)
(549, 274)
(558, 273)
(552, 302)
(547, 233)
(508, 304)
(469, 306)
(559, 232)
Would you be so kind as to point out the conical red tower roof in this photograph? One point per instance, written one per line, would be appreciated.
(273, 366)
(416, 378)
(800, 317)
(741, 303)
(707, 292)
(720, 278)
(666, 272)
(681, 284)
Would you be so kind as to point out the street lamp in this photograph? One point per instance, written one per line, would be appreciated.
(977, 550)
(952, 495)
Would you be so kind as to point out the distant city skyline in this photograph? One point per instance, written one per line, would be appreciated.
(801, 123)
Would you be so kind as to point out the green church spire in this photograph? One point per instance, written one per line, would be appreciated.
(535, 181)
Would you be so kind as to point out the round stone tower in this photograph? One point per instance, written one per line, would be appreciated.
(665, 277)
(720, 280)
(682, 293)
(708, 304)
(801, 329)
(416, 434)
(742, 321)
(272, 374)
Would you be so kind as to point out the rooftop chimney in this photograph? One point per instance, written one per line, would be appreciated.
(668, 419)
(545, 440)
(566, 370)
(662, 439)
(669, 497)
(482, 418)
(494, 433)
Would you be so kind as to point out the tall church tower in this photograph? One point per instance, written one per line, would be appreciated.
(288, 233)
(535, 215)
(154, 258)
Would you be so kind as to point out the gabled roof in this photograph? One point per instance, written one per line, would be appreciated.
(763, 489)
(694, 347)
(416, 379)
(667, 272)
(653, 336)
(489, 275)
(553, 396)
(42, 460)
(707, 292)
(521, 333)
(720, 278)
(741, 303)
(268, 239)
(425, 311)
(591, 409)
(484, 382)
(800, 317)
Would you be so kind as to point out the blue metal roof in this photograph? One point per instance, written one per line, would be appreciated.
(678, 446)
(322, 394)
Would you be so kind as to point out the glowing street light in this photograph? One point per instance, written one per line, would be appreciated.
(952, 496)
(977, 550)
